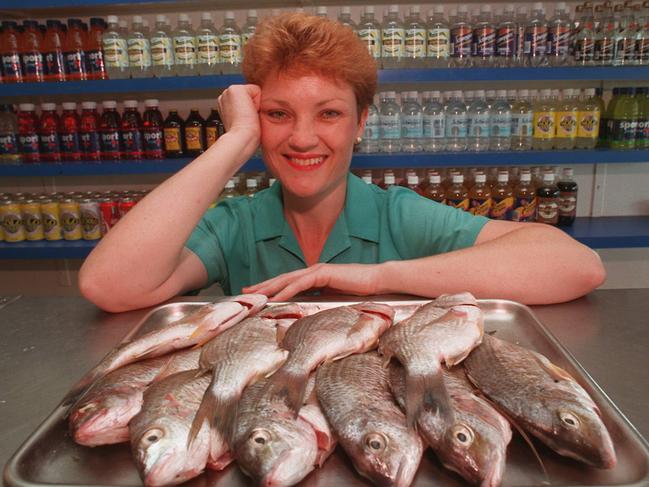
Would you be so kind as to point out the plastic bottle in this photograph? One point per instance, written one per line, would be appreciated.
(139, 50)
(372, 131)
(393, 35)
(456, 122)
(8, 136)
(480, 196)
(566, 118)
(536, 37)
(524, 199)
(415, 39)
(412, 123)
(506, 36)
(115, 50)
(321, 11)
(174, 134)
(584, 50)
(588, 121)
(560, 36)
(501, 123)
(207, 46)
(89, 139)
(642, 132)
(544, 121)
(605, 38)
(547, 197)
(623, 121)
(461, 39)
(131, 132)
(483, 45)
(434, 122)
(502, 197)
(31, 55)
(345, 18)
(195, 140)
(109, 127)
(568, 189)
(12, 71)
(53, 51)
(74, 51)
(624, 53)
(479, 122)
(230, 44)
(457, 195)
(435, 191)
(390, 120)
(642, 39)
(95, 65)
(184, 42)
(69, 132)
(28, 133)
(521, 26)
(152, 130)
(162, 49)
(438, 38)
(48, 134)
(249, 28)
(412, 180)
(369, 32)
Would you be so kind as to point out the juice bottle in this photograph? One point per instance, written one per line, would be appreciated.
(456, 195)
(74, 50)
(544, 122)
(588, 121)
(566, 119)
(131, 131)
(525, 199)
(413, 183)
(174, 128)
(30, 51)
(152, 130)
(109, 124)
(251, 187)
(69, 132)
(12, 71)
(624, 121)
(8, 136)
(95, 67)
(502, 197)
(480, 196)
(195, 142)
(48, 134)
(28, 133)
(89, 139)
(642, 132)
(53, 51)
(547, 196)
(388, 179)
(213, 127)
(567, 197)
(434, 191)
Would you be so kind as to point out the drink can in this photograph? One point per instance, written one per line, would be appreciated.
(12, 221)
(109, 214)
(51, 219)
(125, 205)
(70, 219)
(32, 219)
(90, 219)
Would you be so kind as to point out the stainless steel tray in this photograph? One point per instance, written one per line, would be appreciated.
(50, 457)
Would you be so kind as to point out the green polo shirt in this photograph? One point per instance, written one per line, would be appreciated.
(246, 240)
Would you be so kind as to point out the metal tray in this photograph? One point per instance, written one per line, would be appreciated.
(50, 457)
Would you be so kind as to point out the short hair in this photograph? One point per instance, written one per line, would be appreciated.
(298, 44)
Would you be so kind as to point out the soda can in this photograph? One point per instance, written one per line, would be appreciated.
(51, 219)
(109, 215)
(70, 219)
(12, 221)
(90, 219)
(125, 204)
(32, 220)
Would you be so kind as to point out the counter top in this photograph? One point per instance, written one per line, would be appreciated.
(48, 343)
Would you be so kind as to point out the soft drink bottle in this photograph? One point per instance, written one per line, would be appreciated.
(195, 140)
(230, 44)
(207, 46)
(642, 133)
(390, 120)
(131, 131)
(69, 132)
(369, 32)
(461, 39)
(585, 48)
(480, 196)
(435, 191)
(12, 71)
(522, 122)
(53, 43)
(566, 117)
(605, 37)
(502, 196)
(521, 26)
(624, 53)
(89, 139)
(457, 195)
(8, 136)
(484, 38)
(544, 121)
(568, 189)
(412, 123)
(536, 37)
(152, 130)
(48, 133)
(109, 125)
(393, 36)
(95, 66)
(74, 50)
(415, 40)
(588, 121)
(174, 134)
(30, 52)
(139, 50)
(213, 127)
(624, 120)
(438, 38)
(547, 197)
(115, 50)
(525, 199)
(28, 133)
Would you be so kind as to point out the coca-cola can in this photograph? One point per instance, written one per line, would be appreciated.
(109, 214)
(125, 204)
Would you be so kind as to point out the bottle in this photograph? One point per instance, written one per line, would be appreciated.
(457, 195)
(174, 135)
(536, 37)
(502, 197)
(184, 42)
(321, 11)
(369, 32)
(438, 38)
(623, 121)
(544, 122)
(109, 125)
(642, 39)
(388, 179)
(560, 36)
(479, 121)
(12, 71)
(588, 121)
(461, 39)
(642, 132)
(435, 191)
(567, 197)
(115, 50)
(480, 196)
(228, 192)
(139, 50)
(48, 134)
(506, 35)
(195, 140)
(521, 26)
(412, 181)
(28, 133)
(89, 140)
(605, 38)
(415, 39)
(213, 127)
(524, 199)
(30, 52)
(456, 122)
(566, 119)
(390, 120)
(434, 122)
(624, 53)
(483, 45)
(162, 49)
(501, 123)
(371, 133)
(152, 130)
(393, 36)
(53, 51)
(584, 50)
(207, 46)
(230, 44)
(547, 197)
(412, 123)
(95, 65)
(131, 132)
(251, 187)
(250, 27)
(8, 136)
(74, 53)
(69, 132)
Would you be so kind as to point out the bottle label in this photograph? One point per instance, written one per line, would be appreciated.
(110, 143)
(230, 45)
(501, 208)
(54, 65)
(193, 138)
(642, 50)
(506, 42)
(559, 38)
(33, 65)
(484, 41)
(479, 125)
(584, 50)
(568, 204)
(461, 39)
(372, 39)
(548, 211)
(95, 62)
(604, 50)
(480, 206)
(434, 126)
(525, 209)
(50, 145)
(139, 53)
(501, 125)
(162, 51)
(11, 66)
(438, 43)
(623, 131)
(115, 53)
(642, 133)
(153, 143)
(566, 125)
(625, 49)
(185, 50)
(392, 41)
(412, 126)
(8, 144)
(372, 128)
(75, 63)
(70, 144)
(28, 145)
(212, 134)
(207, 47)
(391, 126)
(522, 124)
(536, 40)
(543, 125)
(415, 45)
(456, 125)
(461, 203)
(89, 144)
(132, 143)
(588, 124)
(172, 139)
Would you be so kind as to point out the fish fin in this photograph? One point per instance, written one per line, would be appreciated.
(360, 324)
(204, 413)
(553, 370)
(289, 386)
(426, 392)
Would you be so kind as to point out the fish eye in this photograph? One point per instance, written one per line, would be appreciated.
(463, 435)
(152, 436)
(260, 436)
(376, 442)
(569, 420)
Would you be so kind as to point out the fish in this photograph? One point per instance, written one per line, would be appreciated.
(159, 432)
(330, 334)
(543, 399)
(355, 396)
(444, 330)
(475, 445)
(275, 447)
(103, 415)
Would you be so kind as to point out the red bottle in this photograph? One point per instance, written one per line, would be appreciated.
(12, 71)
(89, 140)
(95, 67)
(48, 135)
(131, 131)
(69, 132)
(74, 53)
(53, 51)
(152, 130)
(30, 51)
(28, 133)
(109, 125)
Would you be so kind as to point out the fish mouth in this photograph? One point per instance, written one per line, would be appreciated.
(494, 475)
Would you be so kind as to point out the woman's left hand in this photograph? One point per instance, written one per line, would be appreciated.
(355, 279)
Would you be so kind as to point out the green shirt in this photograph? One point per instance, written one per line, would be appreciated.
(243, 240)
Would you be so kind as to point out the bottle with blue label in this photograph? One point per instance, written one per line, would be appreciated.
(393, 38)
(8, 136)
(456, 122)
(501, 123)
(479, 121)
(371, 135)
(412, 123)
(390, 120)
(434, 122)
(461, 39)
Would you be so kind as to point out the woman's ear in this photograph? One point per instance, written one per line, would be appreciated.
(361, 122)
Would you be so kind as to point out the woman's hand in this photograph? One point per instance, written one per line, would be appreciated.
(355, 279)
(239, 109)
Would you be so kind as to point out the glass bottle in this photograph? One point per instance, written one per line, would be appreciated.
(457, 195)
(435, 191)
(502, 197)
(480, 196)
(213, 127)
(525, 199)
(195, 140)
(174, 136)
(547, 197)
(568, 189)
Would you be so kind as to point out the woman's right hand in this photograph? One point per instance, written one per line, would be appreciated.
(239, 109)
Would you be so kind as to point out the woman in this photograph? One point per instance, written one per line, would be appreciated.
(311, 81)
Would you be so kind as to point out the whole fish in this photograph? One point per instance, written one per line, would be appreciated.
(159, 432)
(543, 399)
(102, 417)
(327, 335)
(444, 330)
(475, 445)
(355, 397)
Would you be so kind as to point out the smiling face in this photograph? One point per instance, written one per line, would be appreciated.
(308, 128)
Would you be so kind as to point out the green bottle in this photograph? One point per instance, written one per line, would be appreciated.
(624, 121)
(642, 132)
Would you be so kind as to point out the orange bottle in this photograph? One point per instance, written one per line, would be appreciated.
(457, 195)
(74, 52)
(95, 67)
(12, 71)
(30, 51)
(53, 51)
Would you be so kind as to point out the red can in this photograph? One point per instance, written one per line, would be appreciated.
(125, 205)
(109, 214)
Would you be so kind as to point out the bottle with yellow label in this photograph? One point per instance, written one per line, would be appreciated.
(588, 121)
(480, 196)
(566, 118)
(544, 121)
(456, 194)
(195, 142)
(173, 134)
(213, 127)
(502, 197)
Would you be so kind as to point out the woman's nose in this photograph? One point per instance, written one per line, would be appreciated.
(304, 135)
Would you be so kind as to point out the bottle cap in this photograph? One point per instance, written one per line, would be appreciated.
(48, 106)
(109, 104)
(548, 177)
(26, 107)
(130, 103)
(251, 183)
(69, 105)
(112, 19)
(479, 94)
(435, 94)
(526, 176)
(503, 177)
(151, 102)
(415, 10)
(271, 181)
(589, 92)
(368, 9)
(491, 94)
(537, 6)
(393, 9)
(523, 93)
(413, 179)
(568, 172)
(123, 24)
(501, 94)
(390, 94)
(480, 177)
(229, 15)
(388, 178)
(229, 184)
(160, 18)
(435, 178)
(485, 8)
(458, 178)
(89, 105)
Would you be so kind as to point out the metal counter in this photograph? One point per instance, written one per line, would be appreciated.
(48, 343)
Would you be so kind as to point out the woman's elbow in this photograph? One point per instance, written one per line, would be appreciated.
(92, 287)
(594, 274)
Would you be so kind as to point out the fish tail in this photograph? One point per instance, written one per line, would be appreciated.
(204, 413)
(225, 415)
(426, 392)
(289, 385)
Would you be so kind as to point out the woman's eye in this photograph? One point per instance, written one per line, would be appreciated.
(331, 113)
(277, 114)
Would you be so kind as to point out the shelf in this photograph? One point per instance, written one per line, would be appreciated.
(598, 233)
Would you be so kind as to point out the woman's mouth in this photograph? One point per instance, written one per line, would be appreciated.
(305, 163)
